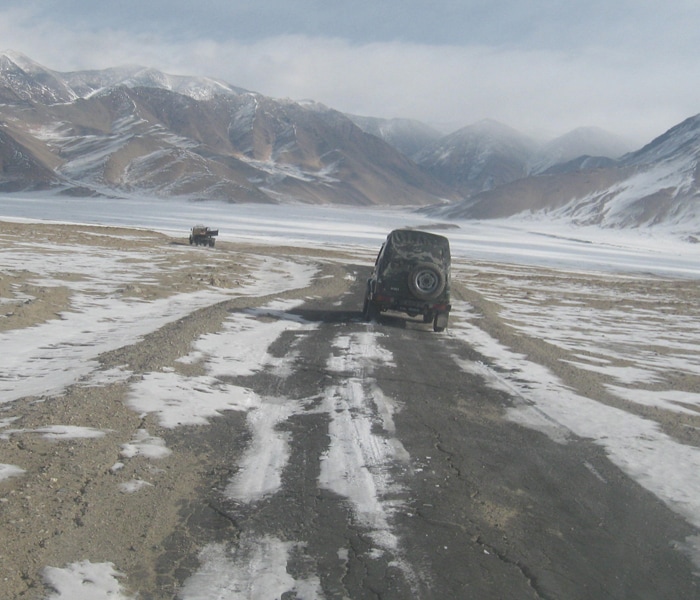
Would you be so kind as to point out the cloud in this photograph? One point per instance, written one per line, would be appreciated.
(534, 90)
(543, 88)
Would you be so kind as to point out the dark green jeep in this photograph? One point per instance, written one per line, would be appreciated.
(411, 275)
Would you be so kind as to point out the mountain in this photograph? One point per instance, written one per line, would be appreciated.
(656, 185)
(134, 130)
(137, 131)
(23, 80)
(584, 141)
(448, 155)
(20, 167)
(479, 157)
(488, 154)
(406, 135)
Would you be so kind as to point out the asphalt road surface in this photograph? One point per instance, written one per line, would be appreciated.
(475, 506)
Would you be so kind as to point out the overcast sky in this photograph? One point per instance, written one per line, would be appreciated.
(540, 66)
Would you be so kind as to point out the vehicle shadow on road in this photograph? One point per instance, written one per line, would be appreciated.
(305, 315)
(335, 317)
(350, 316)
(328, 316)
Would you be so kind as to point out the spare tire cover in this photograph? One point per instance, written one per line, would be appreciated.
(426, 281)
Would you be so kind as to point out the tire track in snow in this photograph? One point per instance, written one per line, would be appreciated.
(355, 465)
(358, 461)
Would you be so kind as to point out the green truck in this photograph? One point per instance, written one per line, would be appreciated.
(201, 235)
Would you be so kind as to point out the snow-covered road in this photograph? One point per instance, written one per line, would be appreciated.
(640, 339)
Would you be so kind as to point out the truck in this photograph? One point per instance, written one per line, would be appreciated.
(201, 235)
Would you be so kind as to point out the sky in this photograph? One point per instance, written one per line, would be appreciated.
(543, 67)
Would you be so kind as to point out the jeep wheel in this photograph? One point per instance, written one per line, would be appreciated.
(369, 310)
(440, 321)
(426, 281)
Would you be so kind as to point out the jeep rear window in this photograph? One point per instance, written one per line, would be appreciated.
(406, 239)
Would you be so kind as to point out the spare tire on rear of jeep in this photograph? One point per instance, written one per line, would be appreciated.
(426, 281)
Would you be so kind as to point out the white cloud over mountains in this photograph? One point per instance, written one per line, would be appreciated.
(546, 67)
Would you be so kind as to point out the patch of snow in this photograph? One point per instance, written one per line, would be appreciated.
(180, 401)
(59, 432)
(85, 580)
(7, 471)
(681, 402)
(241, 347)
(665, 467)
(356, 463)
(62, 432)
(255, 570)
(260, 468)
(133, 486)
(145, 445)
(7, 421)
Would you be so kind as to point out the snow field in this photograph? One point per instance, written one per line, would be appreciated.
(667, 468)
(60, 352)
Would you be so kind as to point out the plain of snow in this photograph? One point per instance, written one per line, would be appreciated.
(354, 465)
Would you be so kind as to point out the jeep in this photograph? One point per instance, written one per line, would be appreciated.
(411, 275)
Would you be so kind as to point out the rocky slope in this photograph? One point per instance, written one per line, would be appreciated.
(138, 131)
(135, 131)
(657, 185)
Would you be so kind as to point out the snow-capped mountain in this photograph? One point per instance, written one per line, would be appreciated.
(479, 157)
(137, 130)
(406, 135)
(659, 184)
(488, 154)
(584, 141)
(23, 80)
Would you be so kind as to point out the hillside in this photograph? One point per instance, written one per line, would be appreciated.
(657, 185)
(488, 154)
(480, 157)
(133, 130)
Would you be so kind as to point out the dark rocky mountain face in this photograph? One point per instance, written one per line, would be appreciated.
(126, 131)
(19, 167)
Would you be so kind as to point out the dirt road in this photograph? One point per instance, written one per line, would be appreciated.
(360, 461)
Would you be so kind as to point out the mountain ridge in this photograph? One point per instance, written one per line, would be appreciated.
(654, 186)
(134, 130)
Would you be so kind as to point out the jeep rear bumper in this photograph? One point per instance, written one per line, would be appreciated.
(413, 308)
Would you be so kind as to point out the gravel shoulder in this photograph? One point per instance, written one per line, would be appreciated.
(68, 503)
